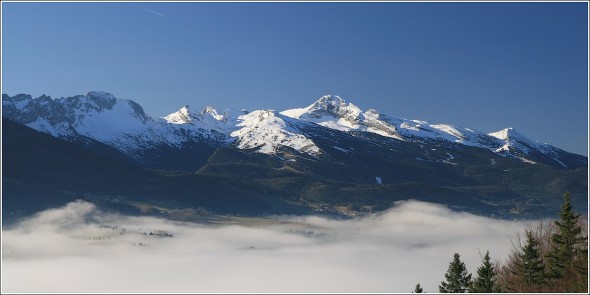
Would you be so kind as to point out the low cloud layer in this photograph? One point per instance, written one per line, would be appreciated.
(77, 248)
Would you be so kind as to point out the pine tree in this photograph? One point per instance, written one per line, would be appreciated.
(458, 280)
(530, 266)
(486, 278)
(418, 289)
(567, 258)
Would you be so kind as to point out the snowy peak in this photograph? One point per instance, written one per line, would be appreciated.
(512, 137)
(517, 145)
(183, 116)
(265, 131)
(124, 125)
(186, 115)
(327, 106)
(334, 112)
(101, 98)
(331, 99)
(506, 134)
(210, 111)
(11, 106)
(94, 100)
(208, 122)
(329, 111)
(331, 103)
(16, 98)
(97, 115)
(515, 142)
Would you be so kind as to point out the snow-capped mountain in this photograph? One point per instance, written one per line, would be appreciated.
(514, 140)
(334, 112)
(98, 115)
(124, 125)
(328, 157)
(517, 145)
(266, 131)
(119, 123)
(208, 119)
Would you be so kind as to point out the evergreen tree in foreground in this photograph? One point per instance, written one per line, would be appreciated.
(418, 289)
(457, 278)
(530, 266)
(567, 258)
(486, 278)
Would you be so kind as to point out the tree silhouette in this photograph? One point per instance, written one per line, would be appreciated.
(530, 266)
(567, 258)
(457, 278)
(486, 278)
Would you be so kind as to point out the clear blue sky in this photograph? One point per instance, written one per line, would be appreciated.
(485, 66)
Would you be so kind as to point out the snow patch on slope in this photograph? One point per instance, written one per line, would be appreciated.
(264, 131)
(105, 126)
(42, 125)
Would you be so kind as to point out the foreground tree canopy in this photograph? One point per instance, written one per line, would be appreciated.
(486, 280)
(457, 278)
(552, 259)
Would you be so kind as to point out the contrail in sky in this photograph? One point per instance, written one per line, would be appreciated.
(151, 11)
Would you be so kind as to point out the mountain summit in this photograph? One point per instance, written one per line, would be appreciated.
(330, 111)
(123, 125)
(334, 105)
(329, 157)
(182, 116)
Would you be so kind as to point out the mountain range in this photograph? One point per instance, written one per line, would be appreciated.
(329, 157)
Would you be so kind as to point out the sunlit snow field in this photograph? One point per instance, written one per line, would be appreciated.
(78, 248)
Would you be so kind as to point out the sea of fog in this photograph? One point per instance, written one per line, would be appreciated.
(78, 248)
